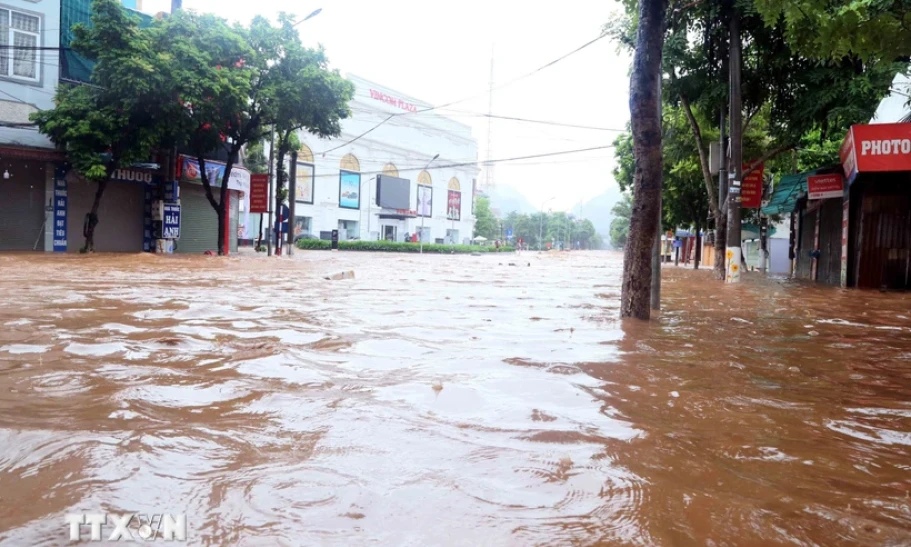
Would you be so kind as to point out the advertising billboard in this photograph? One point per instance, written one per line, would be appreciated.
(425, 200)
(454, 205)
(393, 192)
(304, 189)
(349, 190)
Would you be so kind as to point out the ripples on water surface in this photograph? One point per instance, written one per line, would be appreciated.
(448, 400)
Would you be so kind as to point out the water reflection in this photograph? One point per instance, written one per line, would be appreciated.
(448, 400)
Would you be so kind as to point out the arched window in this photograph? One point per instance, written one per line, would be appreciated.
(454, 200)
(350, 163)
(391, 170)
(305, 154)
(425, 195)
(305, 174)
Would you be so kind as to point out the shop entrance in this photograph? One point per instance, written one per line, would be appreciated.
(389, 233)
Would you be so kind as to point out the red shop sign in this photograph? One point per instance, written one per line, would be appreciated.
(877, 148)
(751, 189)
(825, 186)
(259, 193)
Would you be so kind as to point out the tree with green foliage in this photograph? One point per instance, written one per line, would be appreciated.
(116, 120)
(306, 93)
(835, 29)
(232, 83)
(619, 226)
(255, 158)
(799, 82)
(486, 224)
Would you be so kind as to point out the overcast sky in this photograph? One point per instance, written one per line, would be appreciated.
(440, 52)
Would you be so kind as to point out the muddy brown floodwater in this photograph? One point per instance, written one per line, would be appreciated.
(449, 400)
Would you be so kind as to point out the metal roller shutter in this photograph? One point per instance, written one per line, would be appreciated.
(120, 216)
(22, 211)
(235, 216)
(198, 222)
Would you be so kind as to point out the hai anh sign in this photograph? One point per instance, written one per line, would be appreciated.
(259, 193)
(825, 186)
(876, 148)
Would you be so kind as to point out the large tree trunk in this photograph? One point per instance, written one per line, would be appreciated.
(698, 253)
(92, 218)
(646, 128)
(721, 237)
(218, 206)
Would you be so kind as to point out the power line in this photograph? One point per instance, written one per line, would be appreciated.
(471, 163)
(510, 82)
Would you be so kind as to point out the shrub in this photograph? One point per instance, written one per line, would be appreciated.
(396, 247)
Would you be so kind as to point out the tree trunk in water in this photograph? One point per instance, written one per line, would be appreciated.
(646, 128)
(279, 185)
(92, 220)
(698, 254)
(721, 237)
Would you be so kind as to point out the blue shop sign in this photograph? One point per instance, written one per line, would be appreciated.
(170, 223)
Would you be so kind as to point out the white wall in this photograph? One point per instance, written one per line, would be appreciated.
(408, 141)
(895, 105)
(20, 98)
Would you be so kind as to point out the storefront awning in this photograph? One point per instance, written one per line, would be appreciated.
(789, 189)
(785, 194)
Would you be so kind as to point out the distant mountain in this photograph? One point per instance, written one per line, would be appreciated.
(598, 210)
(506, 199)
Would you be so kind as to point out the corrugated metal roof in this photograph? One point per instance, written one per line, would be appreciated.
(785, 194)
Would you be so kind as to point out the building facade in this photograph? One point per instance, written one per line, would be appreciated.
(337, 182)
(29, 31)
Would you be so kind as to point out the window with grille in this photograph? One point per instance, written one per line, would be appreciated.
(20, 38)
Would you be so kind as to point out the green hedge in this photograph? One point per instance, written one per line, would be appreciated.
(396, 247)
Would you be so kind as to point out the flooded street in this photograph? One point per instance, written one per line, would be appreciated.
(449, 400)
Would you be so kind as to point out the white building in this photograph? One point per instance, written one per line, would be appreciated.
(337, 185)
(896, 106)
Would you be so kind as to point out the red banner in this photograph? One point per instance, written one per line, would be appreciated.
(751, 188)
(825, 186)
(877, 148)
(259, 193)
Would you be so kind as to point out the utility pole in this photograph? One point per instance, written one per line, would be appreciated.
(734, 252)
(292, 199)
(489, 181)
(271, 172)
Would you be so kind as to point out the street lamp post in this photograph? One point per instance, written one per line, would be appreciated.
(313, 14)
(433, 159)
(541, 227)
(368, 204)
